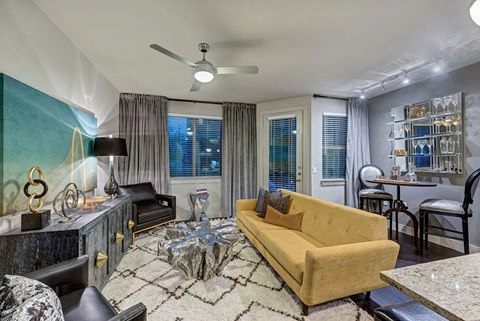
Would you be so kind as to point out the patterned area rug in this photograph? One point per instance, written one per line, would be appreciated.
(248, 289)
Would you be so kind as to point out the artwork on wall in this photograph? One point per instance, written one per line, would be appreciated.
(39, 130)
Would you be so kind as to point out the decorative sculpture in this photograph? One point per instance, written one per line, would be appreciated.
(198, 250)
(37, 219)
(68, 201)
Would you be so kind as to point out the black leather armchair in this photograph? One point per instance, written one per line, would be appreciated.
(149, 209)
(81, 302)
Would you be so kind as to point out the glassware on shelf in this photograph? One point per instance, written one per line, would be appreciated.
(438, 122)
(411, 176)
(436, 103)
(451, 145)
(443, 103)
(414, 144)
(421, 144)
(448, 122)
(456, 122)
(447, 100)
(443, 145)
(407, 129)
(448, 165)
(429, 144)
(455, 101)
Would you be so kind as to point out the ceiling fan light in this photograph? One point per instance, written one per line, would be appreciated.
(475, 12)
(203, 76)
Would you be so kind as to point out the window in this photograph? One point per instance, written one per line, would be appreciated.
(334, 146)
(195, 146)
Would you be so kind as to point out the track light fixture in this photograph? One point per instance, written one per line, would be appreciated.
(475, 11)
(403, 75)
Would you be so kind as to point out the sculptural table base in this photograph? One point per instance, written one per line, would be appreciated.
(199, 250)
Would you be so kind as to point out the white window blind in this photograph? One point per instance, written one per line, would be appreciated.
(195, 146)
(282, 153)
(334, 146)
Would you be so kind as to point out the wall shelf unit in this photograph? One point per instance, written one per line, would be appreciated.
(429, 134)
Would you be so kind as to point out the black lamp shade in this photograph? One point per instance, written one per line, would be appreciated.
(106, 146)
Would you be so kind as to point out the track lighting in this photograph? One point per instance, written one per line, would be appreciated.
(437, 67)
(383, 85)
(405, 80)
(475, 11)
(362, 95)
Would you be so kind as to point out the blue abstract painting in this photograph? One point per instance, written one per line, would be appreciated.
(39, 130)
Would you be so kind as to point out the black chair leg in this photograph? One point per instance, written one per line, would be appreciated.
(422, 226)
(426, 229)
(466, 242)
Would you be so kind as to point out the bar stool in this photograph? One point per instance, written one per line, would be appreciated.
(373, 192)
(449, 208)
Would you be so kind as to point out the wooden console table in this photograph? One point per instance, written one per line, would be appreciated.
(104, 234)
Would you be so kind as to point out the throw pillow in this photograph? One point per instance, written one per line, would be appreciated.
(282, 204)
(291, 221)
(28, 300)
(261, 198)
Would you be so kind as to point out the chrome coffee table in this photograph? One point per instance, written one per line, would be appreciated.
(199, 250)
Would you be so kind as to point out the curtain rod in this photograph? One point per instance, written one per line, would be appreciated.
(329, 97)
(195, 101)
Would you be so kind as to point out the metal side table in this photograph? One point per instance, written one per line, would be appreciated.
(198, 201)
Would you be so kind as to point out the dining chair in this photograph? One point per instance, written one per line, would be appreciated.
(371, 192)
(449, 208)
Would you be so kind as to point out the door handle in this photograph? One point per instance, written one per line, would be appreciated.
(298, 180)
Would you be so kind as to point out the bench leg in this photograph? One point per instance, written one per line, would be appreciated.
(367, 295)
(304, 309)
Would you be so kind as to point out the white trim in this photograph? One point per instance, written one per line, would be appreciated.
(195, 116)
(334, 114)
(195, 180)
(443, 241)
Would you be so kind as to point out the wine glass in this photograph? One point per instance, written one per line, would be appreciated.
(438, 122)
(421, 144)
(447, 100)
(436, 102)
(429, 145)
(448, 122)
(407, 129)
(456, 122)
(455, 100)
(443, 103)
(415, 144)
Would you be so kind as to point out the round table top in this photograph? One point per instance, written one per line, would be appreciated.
(388, 181)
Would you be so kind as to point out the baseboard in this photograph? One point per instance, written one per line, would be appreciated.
(443, 241)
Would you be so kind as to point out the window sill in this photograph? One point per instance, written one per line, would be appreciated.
(195, 180)
(332, 182)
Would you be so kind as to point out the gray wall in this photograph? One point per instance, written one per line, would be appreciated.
(466, 80)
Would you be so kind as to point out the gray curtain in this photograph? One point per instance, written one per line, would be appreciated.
(239, 155)
(358, 145)
(144, 125)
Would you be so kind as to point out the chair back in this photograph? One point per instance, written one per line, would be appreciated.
(369, 172)
(140, 193)
(470, 187)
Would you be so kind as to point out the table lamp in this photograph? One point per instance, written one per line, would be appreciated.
(109, 146)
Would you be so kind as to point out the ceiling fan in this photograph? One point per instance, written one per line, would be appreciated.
(204, 71)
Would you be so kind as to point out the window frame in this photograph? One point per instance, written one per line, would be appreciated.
(195, 179)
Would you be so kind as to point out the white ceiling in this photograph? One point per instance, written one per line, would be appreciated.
(329, 47)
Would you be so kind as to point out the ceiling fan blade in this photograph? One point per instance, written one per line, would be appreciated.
(237, 70)
(173, 55)
(196, 86)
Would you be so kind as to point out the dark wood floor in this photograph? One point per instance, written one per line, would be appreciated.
(389, 295)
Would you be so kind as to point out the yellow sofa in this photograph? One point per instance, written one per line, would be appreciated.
(338, 252)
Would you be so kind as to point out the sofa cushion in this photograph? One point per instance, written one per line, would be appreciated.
(261, 197)
(254, 223)
(281, 204)
(142, 192)
(292, 221)
(28, 299)
(147, 212)
(289, 248)
(86, 304)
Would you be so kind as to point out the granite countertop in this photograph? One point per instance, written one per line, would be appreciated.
(449, 287)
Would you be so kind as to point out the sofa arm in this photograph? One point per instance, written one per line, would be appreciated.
(245, 205)
(64, 277)
(138, 312)
(338, 271)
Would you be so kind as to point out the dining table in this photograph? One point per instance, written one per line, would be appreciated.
(449, 287)
(400, 206)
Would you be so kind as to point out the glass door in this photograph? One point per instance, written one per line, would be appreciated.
(284, 160)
